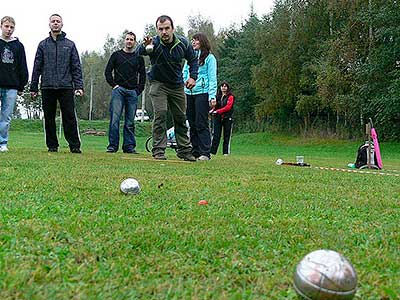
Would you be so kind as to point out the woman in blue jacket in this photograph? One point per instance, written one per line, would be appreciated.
(200, 97)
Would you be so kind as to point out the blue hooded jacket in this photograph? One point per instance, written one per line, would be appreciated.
(206, 80)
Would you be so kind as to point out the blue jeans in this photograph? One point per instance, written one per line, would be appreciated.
(122, 98)
(7, 98)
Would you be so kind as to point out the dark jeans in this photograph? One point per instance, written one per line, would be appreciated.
(70, 124)
(219, 125)
(197, 115)
(122, 98)
(162, 98)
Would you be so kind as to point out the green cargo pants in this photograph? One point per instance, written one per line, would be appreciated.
(162, 98)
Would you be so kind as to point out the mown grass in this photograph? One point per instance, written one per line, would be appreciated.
(66, 232)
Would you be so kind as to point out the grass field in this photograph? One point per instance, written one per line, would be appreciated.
(66, 232)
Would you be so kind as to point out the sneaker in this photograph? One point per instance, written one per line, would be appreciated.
(226, 154)
(53, 150)
(3, 148)
(111, 150)
(203, 157)
(76, 150)
(186, 156)
(160, 156)
(131, 151)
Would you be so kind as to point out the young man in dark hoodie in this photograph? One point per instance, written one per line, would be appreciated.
(13, 76)
(167, 52)
(57, 63)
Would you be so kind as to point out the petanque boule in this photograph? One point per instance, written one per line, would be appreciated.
(325, 275)
(149, 48)
(130, 186)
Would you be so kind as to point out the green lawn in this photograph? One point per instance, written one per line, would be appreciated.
(66, 232)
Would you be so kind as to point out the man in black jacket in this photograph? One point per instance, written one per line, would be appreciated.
(57, 63)
(125, 73)
(13, 76)
(167, 52)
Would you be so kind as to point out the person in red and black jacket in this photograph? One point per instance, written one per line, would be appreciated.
(222, 112)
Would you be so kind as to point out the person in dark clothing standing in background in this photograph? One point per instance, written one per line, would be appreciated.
(167, 52)
(127, 83)
(13, 76)
(222, 112)
(57, 63)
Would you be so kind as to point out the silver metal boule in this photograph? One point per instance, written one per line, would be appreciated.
(149, 48)
(130, 186)
(325, 275)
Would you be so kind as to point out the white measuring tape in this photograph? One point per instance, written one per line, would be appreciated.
(358, 171)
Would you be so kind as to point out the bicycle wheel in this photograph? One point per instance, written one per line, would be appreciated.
(149, 144)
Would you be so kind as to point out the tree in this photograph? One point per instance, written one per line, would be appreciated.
(198, 23)
(276, 77)
(32, 107)
(236, 65)
(93, 68)
(378, 76)
(325, 65)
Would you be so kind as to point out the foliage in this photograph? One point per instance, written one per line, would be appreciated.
(237, 60)
(379, 74)
(198, 24)
(32, 107)
(95, 85)
(310, 66)
(150, 30)
(328, 63)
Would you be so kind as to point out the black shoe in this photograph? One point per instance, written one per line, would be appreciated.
(76, 150)
(186, 156)
(111, 150)
(131, 151)
(53, 150)
(160, 156)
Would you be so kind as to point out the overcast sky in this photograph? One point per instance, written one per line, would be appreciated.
(87, 23)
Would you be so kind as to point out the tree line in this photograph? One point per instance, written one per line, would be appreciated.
(330, 65)
(309, 66)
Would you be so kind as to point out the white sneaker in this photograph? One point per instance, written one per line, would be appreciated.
(3, 148)
(203, 157)
(226, 154)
